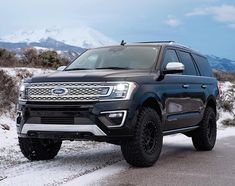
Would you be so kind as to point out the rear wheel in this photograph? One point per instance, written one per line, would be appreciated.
(204, 138)
(144, 148)
(39, 149)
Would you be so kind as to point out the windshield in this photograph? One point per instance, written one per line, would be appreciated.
(127, 57)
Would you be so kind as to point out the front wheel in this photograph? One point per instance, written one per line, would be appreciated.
(39, 149)
(144, 148)
(204, 138)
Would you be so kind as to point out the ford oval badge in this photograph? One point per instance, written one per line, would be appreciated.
(59, 91)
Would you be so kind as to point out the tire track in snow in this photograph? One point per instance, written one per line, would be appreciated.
(68, 165)
(88, 171)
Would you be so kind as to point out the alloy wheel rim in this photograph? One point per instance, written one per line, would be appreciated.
(150, 137)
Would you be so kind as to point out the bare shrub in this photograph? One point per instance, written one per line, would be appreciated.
(32, 58)
(229, 122)
(224, 76)
(50, 59)
(23, 74)
(227, 105)
(29, 57)
(8, 92)
(8, 58)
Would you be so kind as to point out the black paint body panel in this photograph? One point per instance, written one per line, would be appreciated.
(180, 106)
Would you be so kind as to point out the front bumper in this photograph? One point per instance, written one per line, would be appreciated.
(50, 120)
(94, 129)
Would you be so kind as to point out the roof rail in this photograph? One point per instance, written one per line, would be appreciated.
(156, 42)
(167, 42)
(182, 46)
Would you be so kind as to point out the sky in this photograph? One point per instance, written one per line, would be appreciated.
(207, 26)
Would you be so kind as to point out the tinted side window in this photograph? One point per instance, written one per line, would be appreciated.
(187, 60)
(170, 56)
(203, 65)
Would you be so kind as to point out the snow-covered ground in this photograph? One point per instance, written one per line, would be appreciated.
(227, 95)
(78, 162)
(34, 71)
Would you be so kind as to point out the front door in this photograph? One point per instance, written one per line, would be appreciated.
(179, 92)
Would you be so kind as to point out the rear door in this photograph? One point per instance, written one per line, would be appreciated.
(207, 80)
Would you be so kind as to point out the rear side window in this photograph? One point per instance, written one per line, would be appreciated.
(187, 60)
(203, 65)
(170, 56)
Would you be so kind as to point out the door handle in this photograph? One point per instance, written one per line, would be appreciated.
(185, 86)
(204, 86)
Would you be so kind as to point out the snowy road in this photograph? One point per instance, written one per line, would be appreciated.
(180, 165)
(74, 160)
(78, 163)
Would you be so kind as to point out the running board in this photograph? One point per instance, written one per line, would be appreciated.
(181, 130)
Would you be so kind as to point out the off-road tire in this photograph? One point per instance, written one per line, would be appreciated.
(144, 148)
(204, 138)
(39, 149)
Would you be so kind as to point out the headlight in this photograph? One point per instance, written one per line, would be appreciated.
(121, 91)
(23, 92)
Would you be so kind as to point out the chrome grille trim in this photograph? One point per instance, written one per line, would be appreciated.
(75, 84)
(76, 91)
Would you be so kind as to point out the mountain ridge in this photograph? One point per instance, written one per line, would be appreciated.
(72, 42)
(82, 36)
(222, 64)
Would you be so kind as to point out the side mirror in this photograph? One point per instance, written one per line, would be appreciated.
(61, 68)
(173, 68)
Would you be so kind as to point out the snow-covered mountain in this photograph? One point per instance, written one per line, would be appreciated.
(72, 41)
(84, 37)
(223, 64)
(67, 42)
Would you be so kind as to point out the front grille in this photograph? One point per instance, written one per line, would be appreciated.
(73, 91)
(57, 120)
(61, 109)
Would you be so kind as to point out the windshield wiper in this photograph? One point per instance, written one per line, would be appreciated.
(77, 69)
(115, 68)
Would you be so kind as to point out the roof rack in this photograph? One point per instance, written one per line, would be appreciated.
(169, 42)
(182, 46)
(165, 42)
(157, 42)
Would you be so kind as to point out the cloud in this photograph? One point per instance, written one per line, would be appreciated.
(172, 21)
(224, 13)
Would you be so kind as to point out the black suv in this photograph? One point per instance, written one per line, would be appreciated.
(130, 95)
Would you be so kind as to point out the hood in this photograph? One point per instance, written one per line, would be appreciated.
(94, 76)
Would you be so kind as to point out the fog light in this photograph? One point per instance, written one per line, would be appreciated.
(113, 118)
(116, 115)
